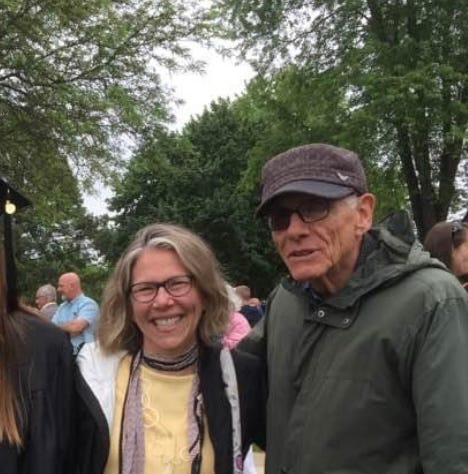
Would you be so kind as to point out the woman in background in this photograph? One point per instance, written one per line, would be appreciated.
(157, 393)
(448, 242)
(36, 380)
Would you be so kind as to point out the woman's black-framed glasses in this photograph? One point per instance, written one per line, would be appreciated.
(309, 210)
(146, 292)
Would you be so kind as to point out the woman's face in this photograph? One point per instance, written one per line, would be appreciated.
(460, 259)
(168, 323)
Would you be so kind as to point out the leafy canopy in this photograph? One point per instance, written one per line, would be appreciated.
(402, 65)
(78, 81)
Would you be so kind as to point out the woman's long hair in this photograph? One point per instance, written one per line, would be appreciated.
(116, 329)
(10, 351)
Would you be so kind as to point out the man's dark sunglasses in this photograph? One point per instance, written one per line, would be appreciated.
(309, 210)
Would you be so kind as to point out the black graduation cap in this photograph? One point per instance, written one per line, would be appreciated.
(10, 202)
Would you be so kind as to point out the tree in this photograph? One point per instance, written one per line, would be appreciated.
(73, 76)
(206, 177)
(76, 80)
(294, 107)
(47, 248)
(194, 178)
(404, 66)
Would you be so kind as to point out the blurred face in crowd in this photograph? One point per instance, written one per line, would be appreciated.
(68, 286)
(319, 239)
(41, 300)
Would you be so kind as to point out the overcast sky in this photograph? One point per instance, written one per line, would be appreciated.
(222, 78)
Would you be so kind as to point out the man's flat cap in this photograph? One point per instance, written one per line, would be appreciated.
(317, 169)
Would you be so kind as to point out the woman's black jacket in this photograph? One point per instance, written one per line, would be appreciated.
(45, 383)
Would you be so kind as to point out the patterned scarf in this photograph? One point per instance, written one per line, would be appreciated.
(132, 441)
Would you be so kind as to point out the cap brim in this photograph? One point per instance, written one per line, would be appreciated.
(314, 188)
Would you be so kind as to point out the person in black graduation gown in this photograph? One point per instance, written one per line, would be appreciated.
(36, 376)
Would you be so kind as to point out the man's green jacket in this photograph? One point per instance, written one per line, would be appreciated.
(373, 380)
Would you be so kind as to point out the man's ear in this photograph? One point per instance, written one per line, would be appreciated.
(365, 209)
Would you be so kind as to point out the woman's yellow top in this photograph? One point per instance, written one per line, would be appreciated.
(165, 403)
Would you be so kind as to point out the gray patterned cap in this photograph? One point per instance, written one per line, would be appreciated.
(317, 169)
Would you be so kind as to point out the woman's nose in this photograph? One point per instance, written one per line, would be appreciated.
(162, 297)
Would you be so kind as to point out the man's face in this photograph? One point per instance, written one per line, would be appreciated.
(41, 300)
(323, 252)
(66, 288)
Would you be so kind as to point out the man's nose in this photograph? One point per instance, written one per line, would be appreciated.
(296, 224)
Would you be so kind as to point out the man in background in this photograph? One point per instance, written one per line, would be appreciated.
(78, 314)
(249, 308)
(46, 300)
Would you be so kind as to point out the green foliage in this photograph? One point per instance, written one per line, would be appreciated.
(45, 250)
(194, 179)
(77, 79)
(295, 107)
(402, 67)
(72, 76)
(206, 177)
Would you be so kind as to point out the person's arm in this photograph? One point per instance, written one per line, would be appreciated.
(75, 327)
(87, 314)
(440, 387)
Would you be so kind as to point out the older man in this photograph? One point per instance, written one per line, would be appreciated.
(366, 341)
(78, 314)
(46, 300)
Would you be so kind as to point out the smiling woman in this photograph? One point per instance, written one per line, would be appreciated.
(158, 381)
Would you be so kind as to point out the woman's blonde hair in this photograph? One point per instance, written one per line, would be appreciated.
(116, 329)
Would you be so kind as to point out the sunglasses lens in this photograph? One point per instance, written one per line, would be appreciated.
(313, 210)
(279, 219)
